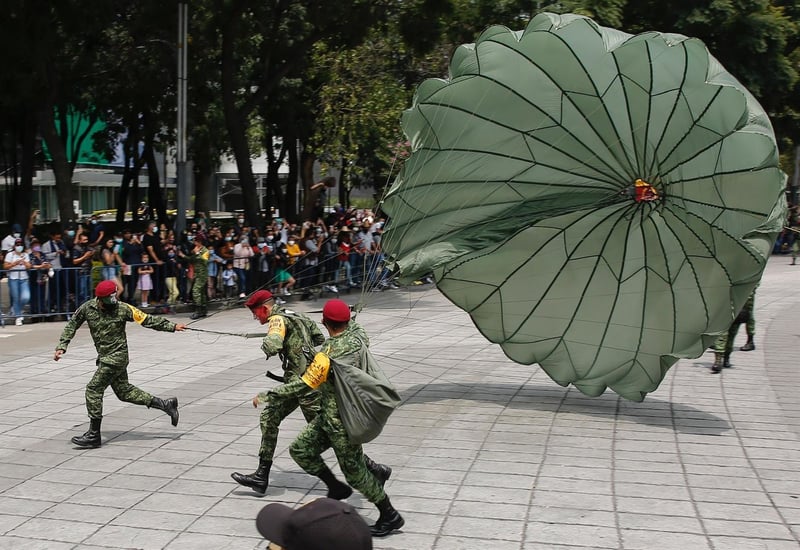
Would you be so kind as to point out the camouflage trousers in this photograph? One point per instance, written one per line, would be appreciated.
(116, 377)
(327, 431)
(724, 344)
(199, 292)
(276, 408)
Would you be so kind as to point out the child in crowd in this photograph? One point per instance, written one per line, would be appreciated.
(229, 279)
(145, 284)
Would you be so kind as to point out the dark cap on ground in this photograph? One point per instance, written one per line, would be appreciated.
(324, 524)
(257, 298)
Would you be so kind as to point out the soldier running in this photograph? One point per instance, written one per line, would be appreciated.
(107, 318)
(292, 336)
(327, 431)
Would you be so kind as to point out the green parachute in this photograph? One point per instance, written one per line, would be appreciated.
(600, 203)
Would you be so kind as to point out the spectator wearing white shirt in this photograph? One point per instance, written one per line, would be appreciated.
(17, 262)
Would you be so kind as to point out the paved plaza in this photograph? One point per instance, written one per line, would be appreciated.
(487, 454)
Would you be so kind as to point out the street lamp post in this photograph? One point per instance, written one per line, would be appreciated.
(181, 175)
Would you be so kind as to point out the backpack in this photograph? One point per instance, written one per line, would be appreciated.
(364, 396)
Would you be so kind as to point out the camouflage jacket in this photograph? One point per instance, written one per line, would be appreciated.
(108, 329)
(347, 342)
(288, 333)
(200, 262)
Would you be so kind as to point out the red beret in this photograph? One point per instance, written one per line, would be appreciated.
(106, 288)
(336, 311)
(257, 298)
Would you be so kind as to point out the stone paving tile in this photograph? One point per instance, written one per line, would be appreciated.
(69, 511)
(581, 535)
(23, 543)
(169, 502)
(54, 530)
(663, 540)
(147, 519)
(119, 536)
(113, 497)
(42, 490)
(204, 541)
(9, 522)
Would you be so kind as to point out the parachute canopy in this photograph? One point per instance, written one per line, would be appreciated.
(599, 203)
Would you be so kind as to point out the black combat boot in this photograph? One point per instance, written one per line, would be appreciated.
(336, 489)
(169, 406)
(716, 368)
(199, 313)
(726, 361)
(389, 520)
(258, 480)
(91, 439)
(749, 346)
(381, 471)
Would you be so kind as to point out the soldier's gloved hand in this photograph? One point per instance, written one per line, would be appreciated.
(255, 402)
(58, 354)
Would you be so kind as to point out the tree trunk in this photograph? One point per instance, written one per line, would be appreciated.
(204, 168)
(154, 196)
(236, 119)
(22, 200)
(307, 160)
(344, 191)
(127, 175)
(291, 182)
(61, 167)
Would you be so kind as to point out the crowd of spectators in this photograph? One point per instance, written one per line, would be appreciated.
(340, 249)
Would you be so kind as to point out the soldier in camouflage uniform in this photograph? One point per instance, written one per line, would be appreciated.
(107, 318)
(199, 259)
(724, 344)
(327, 431)
(291, 336)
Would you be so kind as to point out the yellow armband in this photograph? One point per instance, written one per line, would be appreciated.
(317, 372)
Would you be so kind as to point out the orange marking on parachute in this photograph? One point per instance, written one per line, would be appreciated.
(644, 192)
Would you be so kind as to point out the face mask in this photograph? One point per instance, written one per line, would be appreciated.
(70, 233)
(189, 238)
(241, 220)
(227, 238)
(117, 240)
(334, 240)
(18, 248)
(171, 254)
(109, 302)
(37, 248)
(244, 240)
(290, 243)
(94, 222)
(16, 235)
(269, 238)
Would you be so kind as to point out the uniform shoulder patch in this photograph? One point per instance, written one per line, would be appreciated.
(277, 325)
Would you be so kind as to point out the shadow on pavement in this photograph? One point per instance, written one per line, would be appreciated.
(651, 412)
(112, 435)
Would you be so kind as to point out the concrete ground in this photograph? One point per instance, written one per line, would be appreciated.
(486, 453)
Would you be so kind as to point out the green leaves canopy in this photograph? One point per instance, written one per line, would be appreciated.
(520, 197)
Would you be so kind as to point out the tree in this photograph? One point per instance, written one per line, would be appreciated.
(262, 43)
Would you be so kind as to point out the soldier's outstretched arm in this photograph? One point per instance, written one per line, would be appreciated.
(149, 321)
(68, 333)
(293, 389)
